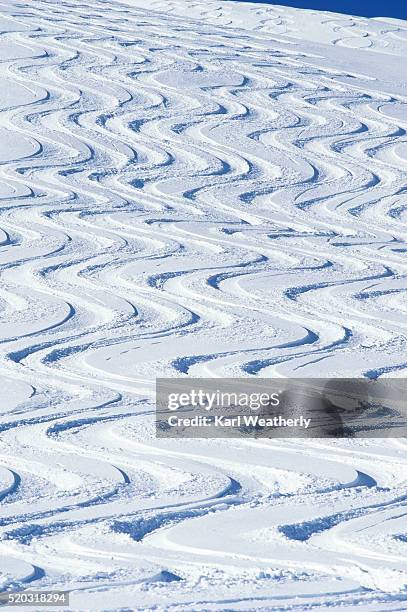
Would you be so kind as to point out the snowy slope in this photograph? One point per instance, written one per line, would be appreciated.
(205, 189)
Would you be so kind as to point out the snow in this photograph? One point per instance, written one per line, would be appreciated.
(197, 189)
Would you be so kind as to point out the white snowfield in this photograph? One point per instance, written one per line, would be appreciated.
(197, 188)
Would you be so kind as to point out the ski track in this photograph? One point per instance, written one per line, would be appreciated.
(197, 189)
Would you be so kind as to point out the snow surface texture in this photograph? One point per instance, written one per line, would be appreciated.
(203, 189)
